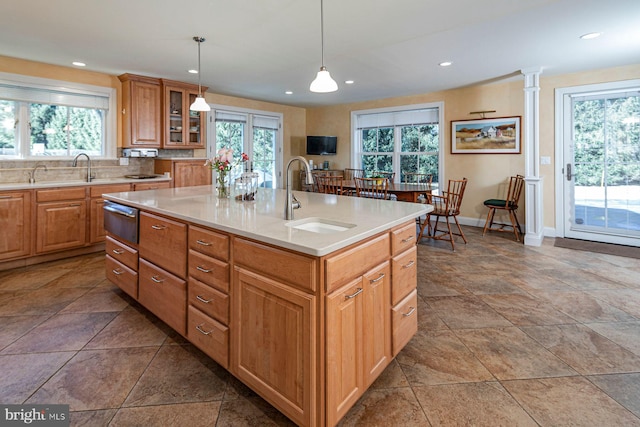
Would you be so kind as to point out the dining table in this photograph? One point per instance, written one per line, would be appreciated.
(404, 191)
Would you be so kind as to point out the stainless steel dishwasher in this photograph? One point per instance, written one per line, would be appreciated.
(121, 221)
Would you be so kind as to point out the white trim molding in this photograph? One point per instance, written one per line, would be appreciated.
(533, 182)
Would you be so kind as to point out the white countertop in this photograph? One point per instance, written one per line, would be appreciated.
(76, 183)
(263, 219)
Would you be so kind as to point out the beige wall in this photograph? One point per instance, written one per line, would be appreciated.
(485, 172)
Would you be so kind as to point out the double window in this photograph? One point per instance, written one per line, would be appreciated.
(45, 118)
(401, 140)
(256, 133)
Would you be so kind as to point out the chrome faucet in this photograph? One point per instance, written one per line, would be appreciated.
(291, 202)
(32, 174)
(75, 163)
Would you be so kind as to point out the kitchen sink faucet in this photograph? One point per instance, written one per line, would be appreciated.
(75, 163)
(32, 174)
(290, 202)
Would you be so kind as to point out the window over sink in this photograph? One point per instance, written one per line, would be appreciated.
(43, 118)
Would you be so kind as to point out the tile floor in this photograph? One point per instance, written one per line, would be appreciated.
(509, 336)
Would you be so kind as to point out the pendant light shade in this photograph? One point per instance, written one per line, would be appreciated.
(323, 82)
(199, 104)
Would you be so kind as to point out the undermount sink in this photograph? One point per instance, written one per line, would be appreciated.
(320, 225)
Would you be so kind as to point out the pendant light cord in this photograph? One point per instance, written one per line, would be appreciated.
(199, 40)
(322, 29)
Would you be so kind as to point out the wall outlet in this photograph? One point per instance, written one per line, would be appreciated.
(124, 161)
(545, 160)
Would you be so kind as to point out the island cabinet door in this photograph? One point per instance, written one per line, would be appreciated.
(376, 321)
(164, 294)
(344, 366)
(272, 342)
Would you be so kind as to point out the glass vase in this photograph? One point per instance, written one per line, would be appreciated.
(222, 186)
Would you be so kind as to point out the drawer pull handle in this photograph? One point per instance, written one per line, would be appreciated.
(5, 197)
(206, 301)
(73, 205)
(158, 227)
(199, 328)
(204, 270)
(117, 271)
(409, 264)
(117, 251)
(203, 243)
(358, 292)
(157, 279)
(413, 309)
(408, 239)
(378, 279)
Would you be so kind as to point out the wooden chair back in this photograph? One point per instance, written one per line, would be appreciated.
(418, 178)
(450, 201)
(330, 184)
(372, 188)
(350, 174)
(516, 184)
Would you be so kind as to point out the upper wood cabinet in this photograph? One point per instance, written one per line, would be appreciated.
(141, 111)
(182, 128)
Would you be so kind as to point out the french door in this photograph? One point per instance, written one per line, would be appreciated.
(600, 170)
(257, 135)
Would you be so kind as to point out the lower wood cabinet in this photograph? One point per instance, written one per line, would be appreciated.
(272, 344)
(15, 223)
(358, 334)
(209, 335)
(124, 277)
(405, 321)
(60, 225)
(164, 242)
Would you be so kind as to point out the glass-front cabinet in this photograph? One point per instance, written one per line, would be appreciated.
(183, 128)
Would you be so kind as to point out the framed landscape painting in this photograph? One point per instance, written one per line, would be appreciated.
(500, 135)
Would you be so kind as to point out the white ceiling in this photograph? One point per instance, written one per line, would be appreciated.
(261, 48)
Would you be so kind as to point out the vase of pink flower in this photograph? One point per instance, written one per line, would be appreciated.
(223, 163)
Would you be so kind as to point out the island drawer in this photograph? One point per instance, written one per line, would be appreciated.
(61, 194)
(124, 277)
(355, 261)
(209, 270)
(209, 300)
(164, 294)
(164, 242)
(209, 242)
(209, 336)
(403, 237)
(121, 252)
(289, 267)
(404, 321)
(404, 273)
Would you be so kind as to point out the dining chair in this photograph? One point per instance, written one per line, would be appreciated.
(448, 206)
(418, 178)
(317, 176)
(508, 204)
(372, 188)
(391, 176)
(330, 184)
(350, 174)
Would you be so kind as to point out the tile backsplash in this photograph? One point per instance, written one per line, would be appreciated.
(17, 171)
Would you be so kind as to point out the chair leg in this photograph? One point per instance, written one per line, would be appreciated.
(422, 226)
(517, 223)
(460, 230)
(453, 247)
(514, 225)
(488, 221)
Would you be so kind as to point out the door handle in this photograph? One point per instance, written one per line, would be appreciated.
(568, 171)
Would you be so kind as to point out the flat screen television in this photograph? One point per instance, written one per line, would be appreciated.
(322, 145)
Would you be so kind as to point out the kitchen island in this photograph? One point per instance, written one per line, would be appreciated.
(306, 312)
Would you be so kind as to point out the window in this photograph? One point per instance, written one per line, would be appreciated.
(262, 141)
(43, 118)
(401, 140)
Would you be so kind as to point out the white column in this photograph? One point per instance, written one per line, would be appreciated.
(531, 142)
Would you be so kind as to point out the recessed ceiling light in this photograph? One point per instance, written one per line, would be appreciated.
(445, 63)
(590, 36)
(193, 71)
(349, 82)
(79, 64)
(289, 92)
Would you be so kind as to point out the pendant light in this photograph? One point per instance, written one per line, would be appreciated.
(323, 82)
(199, 104)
